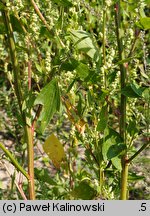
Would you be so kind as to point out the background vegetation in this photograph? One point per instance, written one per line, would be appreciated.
(75, 98)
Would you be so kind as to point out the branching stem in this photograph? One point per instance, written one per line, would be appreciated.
(124, 173)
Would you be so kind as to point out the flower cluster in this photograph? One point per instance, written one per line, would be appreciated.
(48, 60)
(15, 5)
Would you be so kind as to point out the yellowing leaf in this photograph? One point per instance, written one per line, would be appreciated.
(74, 117)
(80, 125)
(54, 149)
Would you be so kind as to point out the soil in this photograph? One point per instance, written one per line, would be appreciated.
(139, 189)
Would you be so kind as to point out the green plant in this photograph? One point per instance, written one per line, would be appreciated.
(63, 66)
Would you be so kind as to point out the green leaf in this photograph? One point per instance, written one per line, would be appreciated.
(142, 70)
(110, 133)
(89, 98)
(63, 3)
(146, 94)
(106, 145)
(111, 139)
(112, 77)
(82, 71)
(27, 106)
(2, 26)
(38, 67)
(144, 23)
(2, 6)
(116, 150)
(128, 92)
(132, 90)
(16, 24)
(137, 89)
(44, 32)
(43, 176)
(116, 161)
(83, 41)
(135, 177)
(2, 29)
(20, 121)
(131, 128)
(83, 191)
(103, 119)
(112, 147)
(28, 101)
(125, 60)
(49, 97)
(70, 65)
(147, 2)
(79, 106)
(71, 85)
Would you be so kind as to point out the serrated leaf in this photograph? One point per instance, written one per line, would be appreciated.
(54, 149)
(83, 41)
(49, 97)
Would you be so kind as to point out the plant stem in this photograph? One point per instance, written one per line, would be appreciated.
(29, 67)
(29, 136)
(14, 59)
(14, 161)
(124, 178)
(104, 41)
(101, 180)
(17, 184)
(38, 12)
(124, 173)
(138, 152)
(17, 86)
